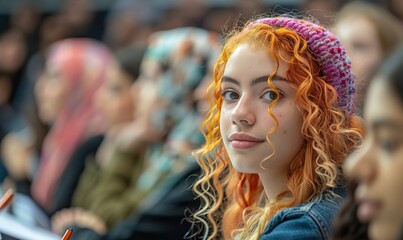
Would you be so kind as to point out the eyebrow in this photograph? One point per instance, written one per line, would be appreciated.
(254, 81)
(386, 123)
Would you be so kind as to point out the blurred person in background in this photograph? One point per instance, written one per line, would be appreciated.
(221, 18)
(188, 13)
(52, 29)
(24, 112)
(27, 18)
(81, 19)
(374, 210)
(396, 8)
(13, 55)
(322, 10)
(193, 12)
(114, 99)
(369, 33)
(152, 200)
(249, 9)
(74, 70)
(130, 23)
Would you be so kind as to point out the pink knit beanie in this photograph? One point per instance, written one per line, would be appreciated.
(329, 53)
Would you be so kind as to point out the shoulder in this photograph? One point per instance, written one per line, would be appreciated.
(90, 145)
(93, 141)
(311, 220)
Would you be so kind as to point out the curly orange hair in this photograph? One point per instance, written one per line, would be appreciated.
(232, 200)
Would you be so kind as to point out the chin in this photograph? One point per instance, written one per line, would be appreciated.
(383, 231)
(45, 118)
(244, 168)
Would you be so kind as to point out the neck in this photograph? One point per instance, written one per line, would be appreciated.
(273, 183)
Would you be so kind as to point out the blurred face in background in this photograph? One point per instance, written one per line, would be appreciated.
(321, 10)
(114, 98)
(51, 91)
(378, 165)
(360, 38)
(13, 51)
(396, 6)
(71, 77)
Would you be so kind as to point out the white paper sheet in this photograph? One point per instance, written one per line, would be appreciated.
(12, 227)
(26, 211)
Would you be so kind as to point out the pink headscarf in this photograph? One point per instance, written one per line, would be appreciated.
(85, 63)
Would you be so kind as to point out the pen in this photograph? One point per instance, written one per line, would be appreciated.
(6, 199)
(67, 234)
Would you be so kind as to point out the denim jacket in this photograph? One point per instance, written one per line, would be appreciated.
(309, 221)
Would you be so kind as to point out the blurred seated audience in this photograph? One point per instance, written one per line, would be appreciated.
(152, 199)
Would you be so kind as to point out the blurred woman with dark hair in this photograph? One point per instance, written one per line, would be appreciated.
(375, 202)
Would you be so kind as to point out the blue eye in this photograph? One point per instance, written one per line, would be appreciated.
(270, 95)
(229, 95)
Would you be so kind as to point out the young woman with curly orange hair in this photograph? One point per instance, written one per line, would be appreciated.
(281, 123)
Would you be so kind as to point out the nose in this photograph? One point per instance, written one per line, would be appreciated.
(40, 87)
(362, 164)
(243, 113)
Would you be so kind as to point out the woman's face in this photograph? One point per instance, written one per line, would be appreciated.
(244, 120)
(114, 98)
(360, 38)
(378, 164)
(51, 91)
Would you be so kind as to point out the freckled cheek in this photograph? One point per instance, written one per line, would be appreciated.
(289, 124)
(269, 122)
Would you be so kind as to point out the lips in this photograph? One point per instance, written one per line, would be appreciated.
(367, 209)
(244, 141)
